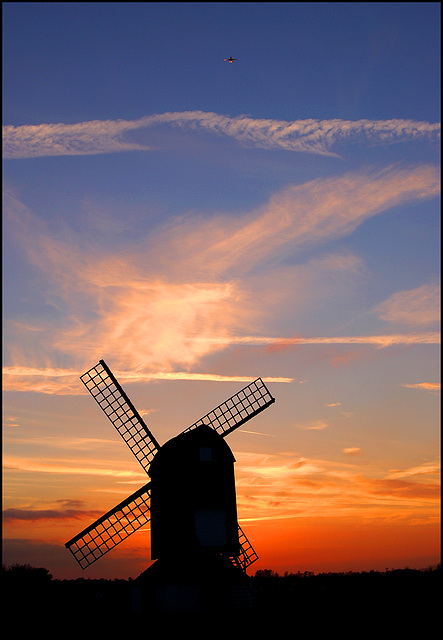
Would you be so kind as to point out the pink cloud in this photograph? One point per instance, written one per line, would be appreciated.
(419, 307)
(204, 294)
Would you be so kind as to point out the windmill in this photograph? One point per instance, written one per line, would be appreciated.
(190, 498)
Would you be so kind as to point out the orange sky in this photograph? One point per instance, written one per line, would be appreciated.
(198, 230)
(300, 513)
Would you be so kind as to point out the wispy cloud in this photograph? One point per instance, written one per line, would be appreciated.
(112, 136)
(281, 486)
(301, 215)
(84, 138)
(428, 468)
(431, 337)
(32, 515)
(191, 289)
(315, 425)
(69, 468)
(425, 386)
(419, 307)
(66, 382)
(287, 485)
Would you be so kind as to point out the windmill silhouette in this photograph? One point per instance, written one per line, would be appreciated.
(190, 498)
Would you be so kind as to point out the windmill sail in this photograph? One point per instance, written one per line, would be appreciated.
(247, 554)
(135, 512)
(108, 393)
(240, 408)
(112, 528)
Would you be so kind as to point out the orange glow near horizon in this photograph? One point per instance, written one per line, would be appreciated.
(345, 544)
(299, 514)
(315, 544)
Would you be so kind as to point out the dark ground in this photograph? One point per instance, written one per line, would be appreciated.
(354, 604)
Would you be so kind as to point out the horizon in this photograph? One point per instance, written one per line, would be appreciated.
(260, 573)
(198, 224)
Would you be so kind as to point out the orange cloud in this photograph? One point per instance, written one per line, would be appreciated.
(49, 380)
(192, 307)
(284, 486)
(429, 468)
(427, 386)
(315, 425)
(66, 382)
(399, 490)
(68, 468)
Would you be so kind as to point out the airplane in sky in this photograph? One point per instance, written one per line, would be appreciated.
(230, 59)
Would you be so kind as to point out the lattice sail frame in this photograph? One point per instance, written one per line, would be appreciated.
(247, 554)
(131, 514)
(240, 408)
(112, 528)
(107, 392)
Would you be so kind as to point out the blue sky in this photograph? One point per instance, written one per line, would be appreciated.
(308, 60)
(198, 224)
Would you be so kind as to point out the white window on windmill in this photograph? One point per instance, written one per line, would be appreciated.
(210, 527)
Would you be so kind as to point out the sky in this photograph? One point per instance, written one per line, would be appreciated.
(198, 224)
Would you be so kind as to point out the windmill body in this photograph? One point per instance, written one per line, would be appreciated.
(193, 502)
(190, 498)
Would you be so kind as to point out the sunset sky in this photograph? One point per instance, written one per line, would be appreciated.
(198, 224)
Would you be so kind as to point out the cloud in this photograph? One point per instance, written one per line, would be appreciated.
(66, 468)
(428, 468)
(191, 289)
(84, 138)
(315, 425)
(287, 485)
(113, 136)
(431, 337)
(317, 211)
(400, 490)
(303, 216)
(427, 386)
(45, 380)
(9, 515)
(274, 468)
(68, 443)
(418, 307)
(67, 383)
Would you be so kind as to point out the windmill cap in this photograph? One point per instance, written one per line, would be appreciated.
(187, 445)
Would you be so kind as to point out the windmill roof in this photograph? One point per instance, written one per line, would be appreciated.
(188, 443)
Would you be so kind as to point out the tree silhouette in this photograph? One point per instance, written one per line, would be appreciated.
(25, 574)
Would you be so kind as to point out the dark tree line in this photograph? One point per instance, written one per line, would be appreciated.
(323, 600)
